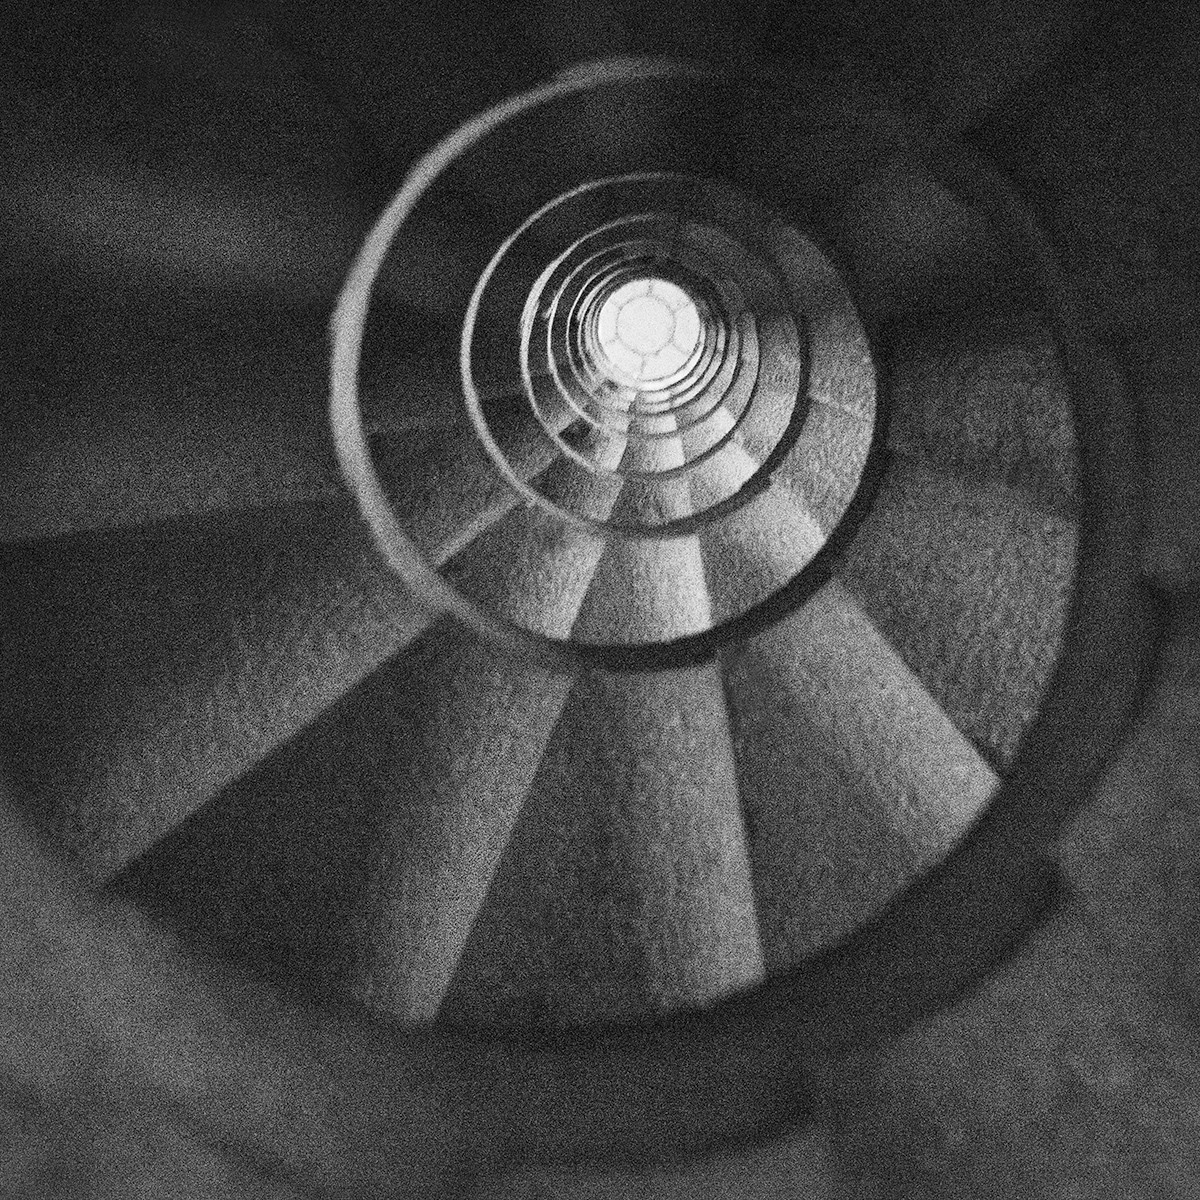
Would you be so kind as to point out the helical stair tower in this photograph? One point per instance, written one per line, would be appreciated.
(531, 722)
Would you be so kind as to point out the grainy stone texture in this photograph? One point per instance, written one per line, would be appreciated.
(648, 589)
(971, 583)
(532, 569)
(444, 486)
(354, 858)
(841, 370)
(852, 778)
(826, 464)
(145, 670)
(982, 394)
(759, 547)
(625, 889)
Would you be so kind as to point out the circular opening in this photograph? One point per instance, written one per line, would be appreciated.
(647, 329)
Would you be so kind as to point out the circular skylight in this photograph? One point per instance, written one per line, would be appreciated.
(648, 329)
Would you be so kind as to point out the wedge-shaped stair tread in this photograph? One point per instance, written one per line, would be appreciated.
(984, 393)
(127, 416)
(625, 889)
(272, 870)
(828, 463)
(603, 449)
(145, 670)
(654, 448)
(531, 568)
(841, 752)
(841, 370)
(971, 583)
(755, 550)
(779, 383)
(706, 434)
(647, 589)
(444, 488)
(825, 464)
(356, 858)
(851, 776)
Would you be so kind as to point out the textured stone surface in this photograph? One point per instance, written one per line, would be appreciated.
(625, 889)
(827, 463)
(532, 569)
(1076, 1073)
(354, 859)
(852, 778)
(753, 551)
(983, 394)
(443, 487)
(1058, 1080)
(648, 589)
(841, 369)
(146, 669)
(970, 583)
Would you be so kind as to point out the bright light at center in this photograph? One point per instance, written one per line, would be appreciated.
(648, 329)
(646, 324)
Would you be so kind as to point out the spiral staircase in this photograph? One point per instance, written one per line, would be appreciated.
(588, 589)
